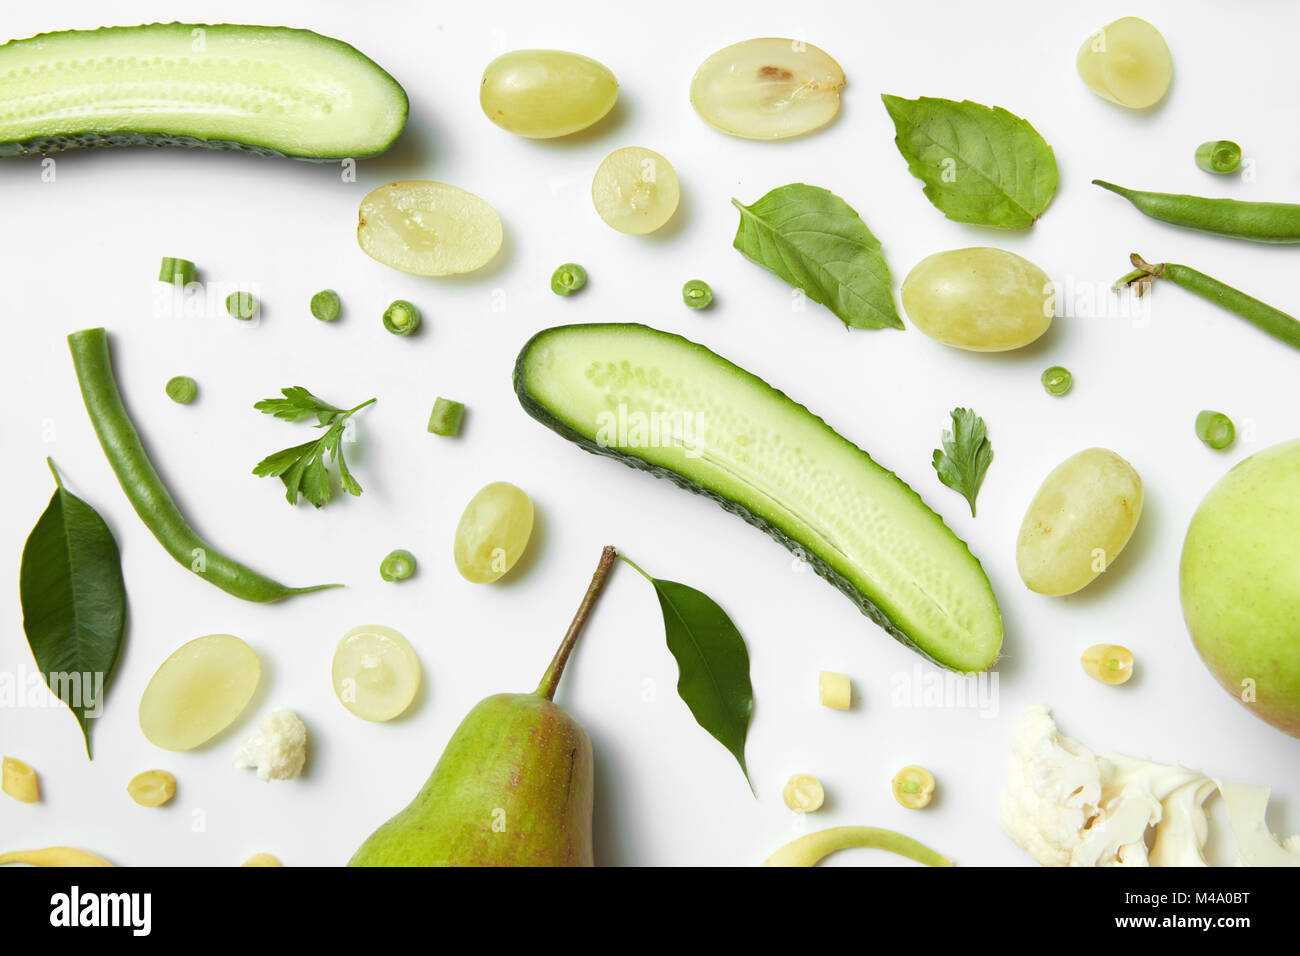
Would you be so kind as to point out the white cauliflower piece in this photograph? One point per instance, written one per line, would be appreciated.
(1052, 789)
(1256, 845)
(279, 748)
(1067, 806)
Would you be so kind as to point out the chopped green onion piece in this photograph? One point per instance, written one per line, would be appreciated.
(180, 271)
(1215, 429)
(697, 294)
(1218, 156)
(242, 305)
(446, 416)
(1057, 380)
(325, 305)
(398, 566)
(182, 389)
(401, 318)
(567, 279)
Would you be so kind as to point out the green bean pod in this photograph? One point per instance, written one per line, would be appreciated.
(1275, 322)
(808, 850)
(1276, 222)
(145, 489)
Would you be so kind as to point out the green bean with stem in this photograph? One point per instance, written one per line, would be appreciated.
(1283, 327)
(143, 486)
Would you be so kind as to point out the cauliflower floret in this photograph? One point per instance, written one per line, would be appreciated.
(1067, 806)
(1052, 788)
(279, 748)
(1256, 845)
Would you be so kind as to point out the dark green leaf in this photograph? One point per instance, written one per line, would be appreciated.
(74, 603)
(979, 164)
(712, 663)
(966, 455)
(814, 240)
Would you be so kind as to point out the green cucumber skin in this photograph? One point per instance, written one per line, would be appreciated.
(43, 142)
(537, 410)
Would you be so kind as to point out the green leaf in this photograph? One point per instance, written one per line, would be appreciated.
(966, 455)
(712, 663)
(297, 404)
(74, 603)
(979, 164)
(814, 240)
(302, 467)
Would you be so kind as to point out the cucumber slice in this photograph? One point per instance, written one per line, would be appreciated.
(269, 90)
(664, 404)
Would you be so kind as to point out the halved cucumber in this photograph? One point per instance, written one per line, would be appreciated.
(269, 90)
(662, 403)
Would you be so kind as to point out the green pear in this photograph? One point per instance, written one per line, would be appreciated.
(513, 788)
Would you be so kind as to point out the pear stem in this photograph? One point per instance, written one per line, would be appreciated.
(551, 679)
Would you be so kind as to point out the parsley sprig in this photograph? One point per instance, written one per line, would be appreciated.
(965, 456)
(302, 467)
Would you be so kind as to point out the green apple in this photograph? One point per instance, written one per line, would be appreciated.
(1240, 583)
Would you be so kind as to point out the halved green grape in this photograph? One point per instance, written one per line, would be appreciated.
(493, 532)
(427, 228)
(376, 672)
(768, 88)
(198, 691)
(1127, 63)
(568, 278)
(635, 190)
(542, 94)
(401, 318)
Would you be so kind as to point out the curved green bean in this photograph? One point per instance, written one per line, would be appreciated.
(145, 489)
(1275, 322)
(1256, 221)
(810, 849)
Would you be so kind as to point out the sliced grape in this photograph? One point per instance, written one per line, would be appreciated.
(427, 228)
(1127, 62)
(493, 532)
(376, 672)
(198, 691)
(542, 94)
(769, 88)
(635, 190)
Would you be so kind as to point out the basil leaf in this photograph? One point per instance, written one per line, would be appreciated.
(979, 164)
(966, 455)
(813, 239)
(74, 603)
(712, 663)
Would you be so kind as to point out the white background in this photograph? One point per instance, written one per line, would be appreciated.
(83, 251)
